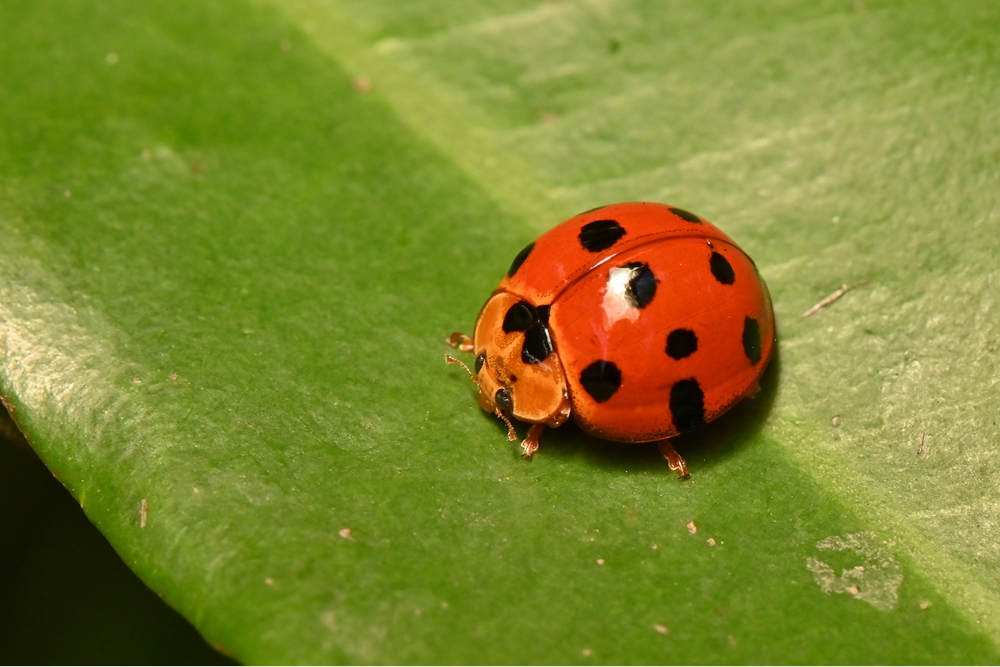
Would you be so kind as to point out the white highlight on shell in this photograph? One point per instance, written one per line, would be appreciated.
(615, 304)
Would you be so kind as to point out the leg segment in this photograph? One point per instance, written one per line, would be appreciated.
(674, 459)
(461, 341)
(530, 444)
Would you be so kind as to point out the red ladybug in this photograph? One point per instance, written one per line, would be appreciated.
(642, 321)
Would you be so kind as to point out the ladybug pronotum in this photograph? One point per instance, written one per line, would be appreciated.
(642, 321)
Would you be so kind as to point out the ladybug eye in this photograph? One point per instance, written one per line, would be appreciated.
(480, 360)
(503, 400)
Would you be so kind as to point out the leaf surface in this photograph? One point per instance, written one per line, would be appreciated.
(235, 236)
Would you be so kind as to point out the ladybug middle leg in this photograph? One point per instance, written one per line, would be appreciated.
(530, 444)
(674, 460)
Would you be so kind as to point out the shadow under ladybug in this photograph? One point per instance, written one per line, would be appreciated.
(704, 448)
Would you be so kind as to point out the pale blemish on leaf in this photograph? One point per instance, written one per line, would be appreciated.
(876, 580)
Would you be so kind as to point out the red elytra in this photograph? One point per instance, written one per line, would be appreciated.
(642, 321)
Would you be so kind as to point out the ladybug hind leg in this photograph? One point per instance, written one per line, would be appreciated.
(674, 460)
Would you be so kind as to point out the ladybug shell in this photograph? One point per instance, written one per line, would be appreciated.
(660, 321)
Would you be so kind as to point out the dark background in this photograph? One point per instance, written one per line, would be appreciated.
(65, 595)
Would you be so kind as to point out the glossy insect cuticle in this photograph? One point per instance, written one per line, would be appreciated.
(657, 334)
(503, 400)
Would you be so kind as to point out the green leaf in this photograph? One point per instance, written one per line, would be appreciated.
(235, 235)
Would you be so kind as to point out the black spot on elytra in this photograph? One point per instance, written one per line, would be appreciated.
(687, 215)
(681, 343)
(537, 344)
(687, 405)
(722, 269)
(543, 313)
(601, 380)
(480, 360)
(641, 286)
(751, 339)
(519, 317)
(503, 400)
(600, 235)
(519, 259)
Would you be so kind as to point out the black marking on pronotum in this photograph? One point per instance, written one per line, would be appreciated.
(519, 259)
(522, 316)
(503, 400)
(681, 343)
(687, 405)
(519, 317)
(480, 360)
(722, 269)
(600, 235)
(751, 340)
(641, 285)
(601, 380)
(687, 215)
(537, 344)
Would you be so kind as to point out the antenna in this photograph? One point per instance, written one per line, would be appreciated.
(448, 359)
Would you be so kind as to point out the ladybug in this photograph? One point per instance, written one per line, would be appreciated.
(641, 320)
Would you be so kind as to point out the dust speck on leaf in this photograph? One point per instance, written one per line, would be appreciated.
(662, 629)
(692, 527)
(710, 541)
(143, 512)
(346, 533)
(600, 561)
(827, 300)
(268, 581)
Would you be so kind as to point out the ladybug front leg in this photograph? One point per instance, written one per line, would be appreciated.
(530, 444)
(674, 460)
(461, 341)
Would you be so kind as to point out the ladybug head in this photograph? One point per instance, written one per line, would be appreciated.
(517, 368)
